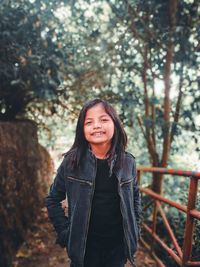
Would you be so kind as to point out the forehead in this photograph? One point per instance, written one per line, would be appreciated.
(96, 111)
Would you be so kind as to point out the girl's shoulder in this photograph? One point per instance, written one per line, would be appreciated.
(129, 155)
(130, 159)
(66, 161)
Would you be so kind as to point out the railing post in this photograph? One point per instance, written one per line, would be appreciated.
(189, 227)
(138, 176)
(154, 225)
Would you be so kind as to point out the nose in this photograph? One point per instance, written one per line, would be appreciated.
(97, 124)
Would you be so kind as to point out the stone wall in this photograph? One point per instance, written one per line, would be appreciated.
(25, 175)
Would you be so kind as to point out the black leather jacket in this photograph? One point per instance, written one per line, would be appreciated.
(78, 186)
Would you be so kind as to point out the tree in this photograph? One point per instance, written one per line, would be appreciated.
(30, 55)
(142, 56)
(134, 46)
(167, 34)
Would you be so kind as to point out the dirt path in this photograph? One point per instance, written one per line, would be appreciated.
(40, 249)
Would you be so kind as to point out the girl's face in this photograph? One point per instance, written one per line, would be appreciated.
(98, 126)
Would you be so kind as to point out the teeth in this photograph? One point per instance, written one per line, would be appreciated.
(97, 134)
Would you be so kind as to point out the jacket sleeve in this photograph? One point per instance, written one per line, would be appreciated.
(56, 213)
(137, 198)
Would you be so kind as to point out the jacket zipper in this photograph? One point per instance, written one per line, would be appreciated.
(92, 195)
(123, 217)
(79, 180)
(126, 182)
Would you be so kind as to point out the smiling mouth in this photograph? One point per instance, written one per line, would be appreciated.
(98, 134)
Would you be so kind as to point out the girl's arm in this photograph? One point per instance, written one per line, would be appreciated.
(56, 213)
(137, 198)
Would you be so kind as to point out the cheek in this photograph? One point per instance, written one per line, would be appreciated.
(111, 130)
(86, 131)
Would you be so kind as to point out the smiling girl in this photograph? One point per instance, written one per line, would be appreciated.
(98, 179)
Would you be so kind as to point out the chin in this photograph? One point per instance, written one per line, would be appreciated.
(97, 142)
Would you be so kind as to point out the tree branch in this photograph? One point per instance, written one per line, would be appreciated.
(172, 5)
(144, 78)
(178, 106)
(153, 116)
(150, 145)
(134, 14)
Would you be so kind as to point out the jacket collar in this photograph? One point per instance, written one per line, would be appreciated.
(112, 162)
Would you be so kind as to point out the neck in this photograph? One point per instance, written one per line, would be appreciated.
(100, 151)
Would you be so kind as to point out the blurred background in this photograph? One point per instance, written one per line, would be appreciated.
(142, 56)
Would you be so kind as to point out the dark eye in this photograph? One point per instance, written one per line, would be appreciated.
(88, 122)
(104, 120)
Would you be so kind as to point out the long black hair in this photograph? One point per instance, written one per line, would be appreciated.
(118, 142)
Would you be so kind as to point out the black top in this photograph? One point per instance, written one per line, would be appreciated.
(105, 228)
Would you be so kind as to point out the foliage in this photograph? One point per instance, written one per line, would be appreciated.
(30, 55)
(142, 56)
(147, 55)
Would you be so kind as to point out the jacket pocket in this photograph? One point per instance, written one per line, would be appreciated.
(62, 238)
(70, 178)
(127, 185)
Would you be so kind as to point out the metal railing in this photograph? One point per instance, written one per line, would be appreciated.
(181, 256)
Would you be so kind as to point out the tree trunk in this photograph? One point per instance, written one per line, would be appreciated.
(157, 182)
(25, 174)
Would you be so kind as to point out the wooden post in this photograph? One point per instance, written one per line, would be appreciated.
(188, 236)
(154, 225)
(138, 176)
